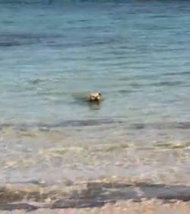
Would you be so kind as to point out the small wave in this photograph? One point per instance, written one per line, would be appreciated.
(18, 39)
(61, 124)
(90, 122)
(158, 84)
(35, 81)
(176, 73)
(97, 122)
(9, 43)
(174, 125)
(169, 83)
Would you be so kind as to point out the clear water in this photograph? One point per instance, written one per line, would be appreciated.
(137, 53)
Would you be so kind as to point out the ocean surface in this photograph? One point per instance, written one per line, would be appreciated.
(136, 53)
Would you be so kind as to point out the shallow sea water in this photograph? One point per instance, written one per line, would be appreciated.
(136, 53)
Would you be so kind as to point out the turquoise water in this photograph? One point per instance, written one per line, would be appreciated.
(136, 53)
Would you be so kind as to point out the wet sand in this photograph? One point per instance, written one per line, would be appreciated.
(107, 196)
(121, 207)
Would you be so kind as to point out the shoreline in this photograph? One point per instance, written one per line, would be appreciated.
(120, 207)
(108, 195)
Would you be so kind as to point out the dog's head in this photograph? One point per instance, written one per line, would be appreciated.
(95, 96)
